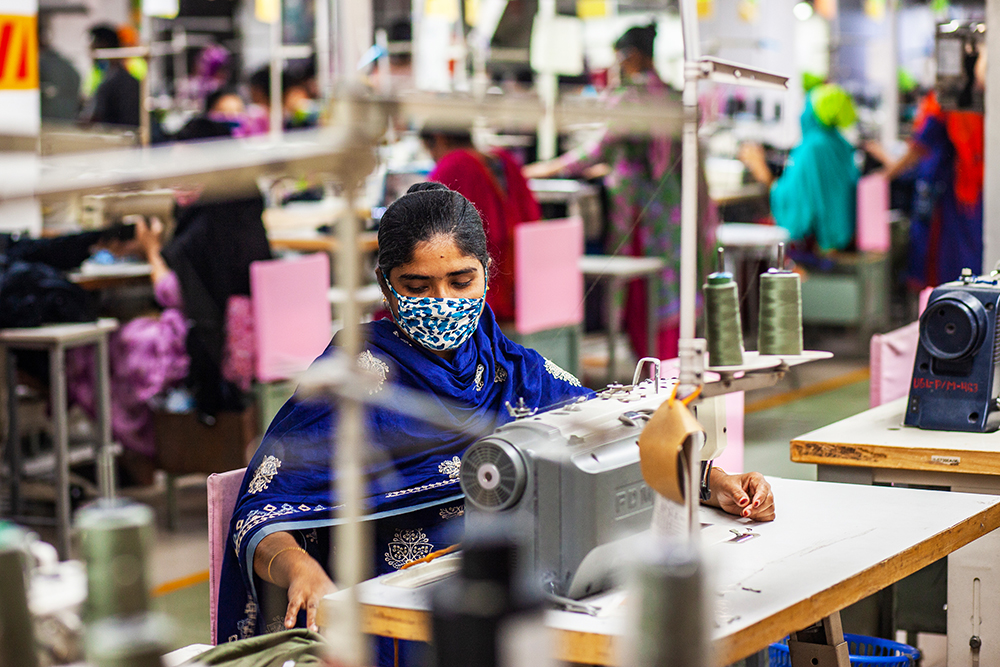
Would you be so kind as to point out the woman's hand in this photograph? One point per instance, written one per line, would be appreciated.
(280, 560)
(747, 495)
(307, 584)
(546, 169)
(755, 159)
(149, 235)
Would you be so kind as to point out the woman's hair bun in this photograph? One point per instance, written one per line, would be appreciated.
(426, 185)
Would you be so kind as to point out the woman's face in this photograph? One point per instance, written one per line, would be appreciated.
(438, 269)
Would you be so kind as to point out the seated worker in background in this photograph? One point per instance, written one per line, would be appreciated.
(442, 340)
(492, 181)
(116, 98)
(225, 115)
(815, 198)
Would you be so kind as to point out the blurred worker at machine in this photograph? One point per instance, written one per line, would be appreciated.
(644, 187)
(815, 197)
(492, 181)
(58, 80)
(443, 341)
(225, 115)
(945, 154)
(116, 98)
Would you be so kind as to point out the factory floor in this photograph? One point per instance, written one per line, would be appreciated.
(811, 396)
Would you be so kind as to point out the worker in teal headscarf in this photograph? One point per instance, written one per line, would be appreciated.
(815, 197)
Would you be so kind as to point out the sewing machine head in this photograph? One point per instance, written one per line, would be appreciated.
(571, 477)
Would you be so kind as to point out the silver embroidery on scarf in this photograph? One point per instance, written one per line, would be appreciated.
(378, 368)
(480, 372)
(501, 375)
(450, 467)
(407, 546)
(451, 512)
(560, 374)
(266, 471)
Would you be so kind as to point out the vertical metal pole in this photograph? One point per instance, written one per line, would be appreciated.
(105, 460)
(145, 107)
(322, 8)
(346, 638)
(57, 383)
(277, 65)
(13, 434)
(890, 123)
(653, 314)
(615, 287)
(991, 197)
(548, 91)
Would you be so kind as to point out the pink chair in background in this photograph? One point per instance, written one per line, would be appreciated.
(223, 491)
(548, 281)
(291, 314)
(891, 361)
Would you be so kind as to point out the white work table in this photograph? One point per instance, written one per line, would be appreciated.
(830, 546)
(874, 447)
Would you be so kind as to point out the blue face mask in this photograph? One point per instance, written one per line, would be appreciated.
(439, 324)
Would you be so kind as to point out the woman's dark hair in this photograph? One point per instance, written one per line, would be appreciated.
(213, 98)
(640, 38)
(425, 211)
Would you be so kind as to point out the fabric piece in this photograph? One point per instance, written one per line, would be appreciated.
(661, 448)
(299, 646)
(412, 467)
(815, 197)
(502, 208)
(238, 354)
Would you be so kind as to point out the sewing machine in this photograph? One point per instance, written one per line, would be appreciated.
(570, 478)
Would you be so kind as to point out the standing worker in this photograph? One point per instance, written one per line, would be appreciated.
(644, 184)
(116, 99)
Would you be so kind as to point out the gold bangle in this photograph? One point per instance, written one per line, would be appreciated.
(278, 553)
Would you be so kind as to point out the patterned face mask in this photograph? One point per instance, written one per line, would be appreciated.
(439, 324)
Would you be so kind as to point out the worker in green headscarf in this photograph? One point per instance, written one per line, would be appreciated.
(815, 197)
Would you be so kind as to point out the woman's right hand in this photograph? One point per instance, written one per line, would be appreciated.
(307, 584)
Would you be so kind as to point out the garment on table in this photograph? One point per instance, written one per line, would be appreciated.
(211, 252)
(116, 100)
(495, 186)
(946, 227)
(301, 647)
(644, 212)
(816, 195)
(411, 467)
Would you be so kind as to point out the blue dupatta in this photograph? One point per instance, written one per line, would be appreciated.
(412, 466)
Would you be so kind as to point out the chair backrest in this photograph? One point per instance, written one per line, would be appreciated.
(891, 360)
(223, 492)
(873, 214)
(548, 283)
(291, 314)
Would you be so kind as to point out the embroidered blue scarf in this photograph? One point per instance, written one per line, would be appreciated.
(411, 465)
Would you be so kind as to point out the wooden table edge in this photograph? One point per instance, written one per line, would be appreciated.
(599, 649)
(856, 455)
(867, 582)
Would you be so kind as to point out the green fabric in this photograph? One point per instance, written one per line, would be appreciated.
(833, 106)
(301, 646)
(816, 194)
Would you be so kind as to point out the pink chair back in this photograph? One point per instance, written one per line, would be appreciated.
(548, 283)
(873, 214)
(223, 492)
(891, 364)
(291, 314)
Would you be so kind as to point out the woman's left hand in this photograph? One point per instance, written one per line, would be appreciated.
(747, 495)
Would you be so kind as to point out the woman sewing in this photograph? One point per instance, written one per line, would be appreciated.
(442, 340)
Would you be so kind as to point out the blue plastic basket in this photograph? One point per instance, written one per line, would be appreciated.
(864, 651)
